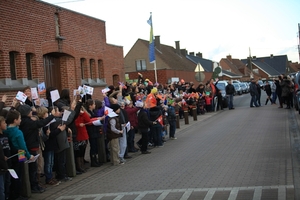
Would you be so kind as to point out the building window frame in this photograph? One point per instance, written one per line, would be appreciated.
(100, 68)
(140, 65)
(13, 64)
(82, 66)
(29, 57)
(92, 63)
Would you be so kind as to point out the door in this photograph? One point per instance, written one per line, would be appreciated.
(52, 72)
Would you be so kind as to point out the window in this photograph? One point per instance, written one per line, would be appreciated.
(92, 63)
(12, 63)
(100, 69)
(140, 65)
(255, 70)
(29, 65)
(57, 32)
(82, 63)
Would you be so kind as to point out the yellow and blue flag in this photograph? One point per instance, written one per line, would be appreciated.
(151, 41)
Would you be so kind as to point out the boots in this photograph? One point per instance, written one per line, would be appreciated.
(79, 166)
(94, 162)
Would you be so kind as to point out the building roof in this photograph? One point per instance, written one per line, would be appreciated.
(172, 59)
(266, 68)
(278, 63)
(205, 63)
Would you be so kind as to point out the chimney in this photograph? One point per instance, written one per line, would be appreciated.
(183, 52)
(229, 58)
(199, 55)
(177, 47)
(192, 53)
(157, 42)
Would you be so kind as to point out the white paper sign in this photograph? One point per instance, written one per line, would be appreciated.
(21, 96)
(44, 102)
(107, 110)
(66, 115)
(88, 89)
(112, 114)
(54, 95)
(105, 90)
(42, 88)
(81, 91)
(34, 93)
(128, 126)
(13, 173)
(34, 159)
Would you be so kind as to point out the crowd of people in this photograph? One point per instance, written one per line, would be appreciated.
(281, 88)
(144, 108)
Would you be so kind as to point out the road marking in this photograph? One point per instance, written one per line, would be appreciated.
(186, 193)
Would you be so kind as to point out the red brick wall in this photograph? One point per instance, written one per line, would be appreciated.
(28, 26)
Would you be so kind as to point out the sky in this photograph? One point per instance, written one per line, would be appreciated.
(215, 28)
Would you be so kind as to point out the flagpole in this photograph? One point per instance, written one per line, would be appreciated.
(155, 73)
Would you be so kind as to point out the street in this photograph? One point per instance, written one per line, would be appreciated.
(237, 154)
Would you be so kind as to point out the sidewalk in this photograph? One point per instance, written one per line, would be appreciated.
(107, 167)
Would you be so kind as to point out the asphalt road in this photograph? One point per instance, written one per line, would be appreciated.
(245, 153)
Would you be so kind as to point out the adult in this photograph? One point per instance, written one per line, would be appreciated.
(143, 125)
(253, 93)
(230, 90)
(268, 91)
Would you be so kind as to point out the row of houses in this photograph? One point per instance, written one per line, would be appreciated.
(172, 63)
(42, 42)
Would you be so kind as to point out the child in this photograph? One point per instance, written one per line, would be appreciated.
(50, 145)
(17, 142)
(30, 129)
(4, 163)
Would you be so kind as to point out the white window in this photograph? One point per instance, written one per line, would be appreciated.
(140, 65)
(255, 70)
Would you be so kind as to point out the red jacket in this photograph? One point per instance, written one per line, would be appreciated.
(82, 134)
(132, 115)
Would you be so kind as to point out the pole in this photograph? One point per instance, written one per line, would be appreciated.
(155, 73)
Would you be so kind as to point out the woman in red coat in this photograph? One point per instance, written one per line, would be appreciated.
(82, 138)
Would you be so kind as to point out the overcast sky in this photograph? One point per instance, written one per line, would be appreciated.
(216, 28)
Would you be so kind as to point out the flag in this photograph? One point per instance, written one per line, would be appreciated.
(95, 121)
(151, 41)
(21, 155)
(160, 120)
(150, 101)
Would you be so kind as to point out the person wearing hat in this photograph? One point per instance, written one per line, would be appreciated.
(114, 131)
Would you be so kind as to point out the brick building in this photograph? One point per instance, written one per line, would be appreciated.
(171, 63)
(41, 42)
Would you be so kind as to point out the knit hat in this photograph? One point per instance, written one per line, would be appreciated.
(24, 110)
(115, 107)
(139, 104)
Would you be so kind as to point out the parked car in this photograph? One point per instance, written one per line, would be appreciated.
(238, 89)
(221, 86)
(243, 87)
(261, 83)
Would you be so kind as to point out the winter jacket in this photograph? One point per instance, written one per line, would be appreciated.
(132, 115)
(30, 129)
(82, 133)
(17, 141)
(93, 131)
(113, 128)
(143, 120)
(229, 89)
